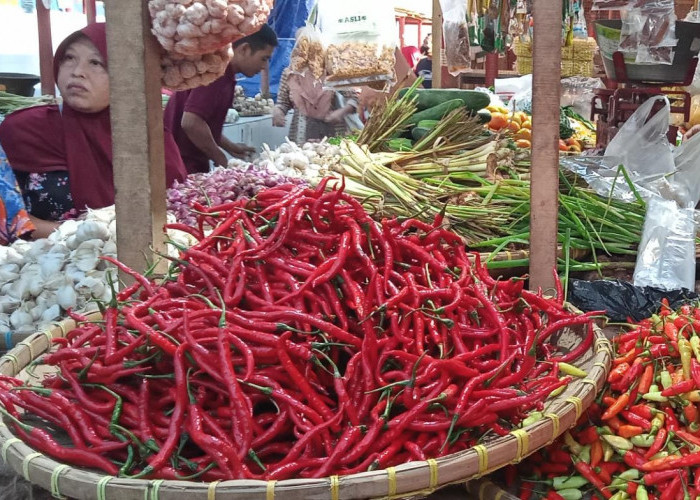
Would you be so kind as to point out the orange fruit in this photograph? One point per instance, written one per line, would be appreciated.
(574, 148)
(523, 143)
(498, 121)
(526, 124)
(563, 146)
(514, 126)
(572, 142)
(524, 133)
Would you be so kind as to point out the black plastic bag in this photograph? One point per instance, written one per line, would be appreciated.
(622, 300)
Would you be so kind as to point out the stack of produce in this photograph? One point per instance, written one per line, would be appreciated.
(641, 438)
(40, 280)
(298, 338)
(222, 185)
(575, 132)
(197, 36)
(251, 106)
(12, 102)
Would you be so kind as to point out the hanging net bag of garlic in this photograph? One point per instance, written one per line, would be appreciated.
(197, 35)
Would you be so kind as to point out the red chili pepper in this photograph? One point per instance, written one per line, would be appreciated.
(658, 444)
(588, 435)
(635, 419)
(587, 472)
(679, 388)
(652, 478)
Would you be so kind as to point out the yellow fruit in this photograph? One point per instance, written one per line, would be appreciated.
(524, 133)
(523, 143)
(526, 124)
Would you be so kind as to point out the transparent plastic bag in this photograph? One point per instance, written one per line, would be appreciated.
(641, 144)
(456, 35)
(632, 24)
(359, 39)
(308, 53)
(666, 255)
(657, 39)
(687, 176)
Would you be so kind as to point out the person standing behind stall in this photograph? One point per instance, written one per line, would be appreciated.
(62, 155)
(196, 117)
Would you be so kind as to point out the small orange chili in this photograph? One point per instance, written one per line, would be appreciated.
(628, 431)
(617, 406)
(596, 453)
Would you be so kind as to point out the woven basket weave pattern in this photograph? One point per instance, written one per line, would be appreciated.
(411, 480)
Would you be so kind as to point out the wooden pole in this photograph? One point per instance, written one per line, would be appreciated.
(91, 11)
(265, 81)
(491, 68)
(437, 45)
(137, 133)
(545, 142)
(402, 31)
(43, 18)
(420, 33)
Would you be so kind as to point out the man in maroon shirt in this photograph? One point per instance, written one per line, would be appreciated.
(196, 117)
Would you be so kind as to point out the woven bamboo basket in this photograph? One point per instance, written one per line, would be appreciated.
(410, 480)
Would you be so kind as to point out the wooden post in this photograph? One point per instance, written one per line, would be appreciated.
(402, 31)
(137, 133)
(43, 18)
(545, 142)
(420, 33)
(91, 11)
(265, 81)
(491, 68)
(437, 45)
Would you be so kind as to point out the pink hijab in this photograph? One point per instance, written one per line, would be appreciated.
(48, 139)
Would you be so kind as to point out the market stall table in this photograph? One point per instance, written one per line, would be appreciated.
(256, 131)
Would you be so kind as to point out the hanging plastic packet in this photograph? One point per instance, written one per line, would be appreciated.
(308, 53)
(359, 39)
(456, 35)
(632, 24)
(657, 39)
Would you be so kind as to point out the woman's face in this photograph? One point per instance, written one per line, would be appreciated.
(82, 77)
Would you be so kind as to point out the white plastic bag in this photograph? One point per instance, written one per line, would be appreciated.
(666, 256)
(641, 144)
(686, 180)
(360, 41)
(456, 35)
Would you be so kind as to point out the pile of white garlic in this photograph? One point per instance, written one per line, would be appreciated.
(251, 106)
(312, 161)
(40, 280)
(195, 27)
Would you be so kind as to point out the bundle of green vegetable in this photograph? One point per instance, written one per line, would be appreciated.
(12, 102)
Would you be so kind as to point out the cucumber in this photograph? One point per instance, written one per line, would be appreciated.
(436, 112)
(428, 98)
(399, 144)
(484, 116)
(428, 123)
(419, 132)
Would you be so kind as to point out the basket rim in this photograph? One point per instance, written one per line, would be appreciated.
(405, 480)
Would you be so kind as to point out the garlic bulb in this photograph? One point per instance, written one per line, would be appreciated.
(195, 27)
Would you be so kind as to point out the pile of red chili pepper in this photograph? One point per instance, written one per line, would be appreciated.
(641, 438)
(299, 338)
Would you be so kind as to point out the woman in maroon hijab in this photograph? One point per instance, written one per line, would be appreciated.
(62, 155)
